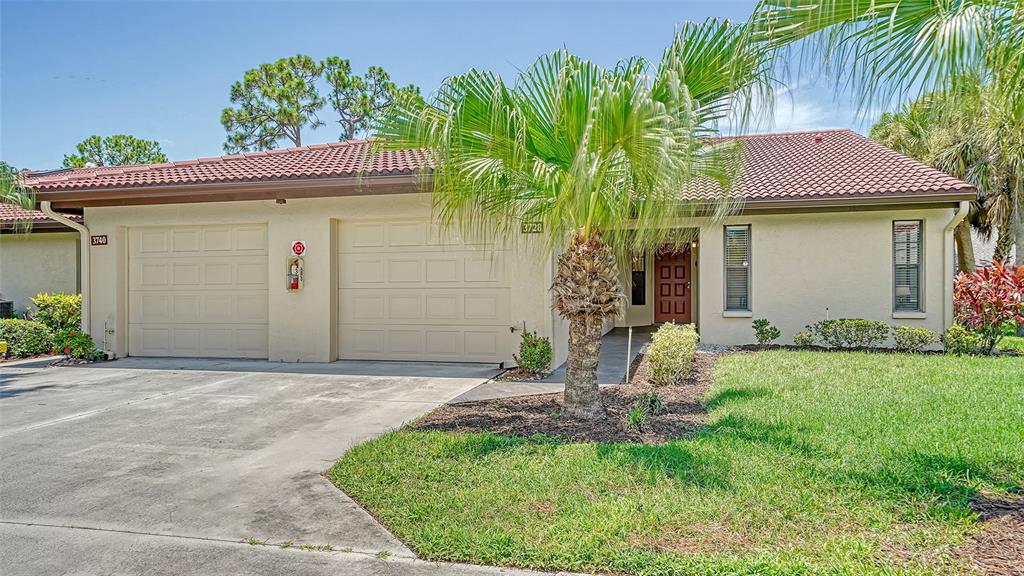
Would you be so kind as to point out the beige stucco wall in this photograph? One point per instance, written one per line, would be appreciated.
(37, 262)
(805, 263)
(802, 263)
(302, 325)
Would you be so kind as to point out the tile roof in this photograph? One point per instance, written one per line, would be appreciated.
(9, 213)
(817, 164)
(331, 160)
(829, 164)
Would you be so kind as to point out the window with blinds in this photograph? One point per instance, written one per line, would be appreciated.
(906, 251)
(737, 268)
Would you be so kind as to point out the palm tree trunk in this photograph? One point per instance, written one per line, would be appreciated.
(582, 396)
(585, 291)
(965, 258)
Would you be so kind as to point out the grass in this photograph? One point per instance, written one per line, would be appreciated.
(844, 463)
(1012, 343)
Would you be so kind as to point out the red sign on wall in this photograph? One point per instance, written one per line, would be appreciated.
(298, 247)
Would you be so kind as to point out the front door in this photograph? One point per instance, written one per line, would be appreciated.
(672, 294)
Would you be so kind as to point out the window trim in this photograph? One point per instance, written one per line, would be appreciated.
(920, 310)
(737, 312)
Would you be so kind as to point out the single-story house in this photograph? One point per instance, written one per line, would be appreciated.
(37, 255)
(193, 258)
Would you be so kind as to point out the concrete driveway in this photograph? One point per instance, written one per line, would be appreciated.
(165, 466)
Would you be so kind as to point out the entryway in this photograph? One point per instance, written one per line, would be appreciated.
(673, 282)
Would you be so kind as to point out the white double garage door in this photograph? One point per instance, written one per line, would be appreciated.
(404, 293)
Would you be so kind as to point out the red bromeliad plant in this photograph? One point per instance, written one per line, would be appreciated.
(989, 299)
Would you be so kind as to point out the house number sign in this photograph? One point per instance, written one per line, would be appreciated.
(532, 227)
(100, 240)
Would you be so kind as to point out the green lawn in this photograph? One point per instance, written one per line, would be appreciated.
(812, 463)
(1012, 343)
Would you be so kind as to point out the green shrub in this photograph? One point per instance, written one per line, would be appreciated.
(534, 353)
(58, 311)
(25, 338)
(850, 332)
(959, 340)
(765, 332)
(76, 344)
(651, 402)
(803, 338)
(910, 339)
(670, 354)
(637, 419)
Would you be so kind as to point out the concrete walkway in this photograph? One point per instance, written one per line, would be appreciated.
(166, 466)
(611, 368)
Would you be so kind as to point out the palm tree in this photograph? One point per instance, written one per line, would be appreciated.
(953, 131)
(888, 48)
(13, 192)
(598, 157)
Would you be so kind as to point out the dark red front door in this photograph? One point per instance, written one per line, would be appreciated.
(672, 301)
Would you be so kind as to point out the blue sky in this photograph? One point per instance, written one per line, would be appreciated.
(162, 70)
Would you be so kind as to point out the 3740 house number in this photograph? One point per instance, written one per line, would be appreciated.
(99, 240)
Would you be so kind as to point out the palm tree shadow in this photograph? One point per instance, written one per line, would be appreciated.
(674, 460)
(735, 394)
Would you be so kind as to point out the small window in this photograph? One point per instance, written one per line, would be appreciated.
(638, 291)
(737, 268)
(906, 251)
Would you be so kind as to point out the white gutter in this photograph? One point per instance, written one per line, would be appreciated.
(84, 247)
(948, 268)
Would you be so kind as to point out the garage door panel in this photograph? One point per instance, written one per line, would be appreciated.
(448, 343)
(217, 273)
(248, 307)
(198, 291)
(199, 340)
(457, 268)
(404, 236)
(402, 306)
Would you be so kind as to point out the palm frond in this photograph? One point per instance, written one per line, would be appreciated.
(585, 149)
(891, 48)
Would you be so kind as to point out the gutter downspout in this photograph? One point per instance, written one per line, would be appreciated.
(84, 254)
(948, 268)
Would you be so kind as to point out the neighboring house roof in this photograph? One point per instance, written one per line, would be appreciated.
(820, 165)
(13, 215)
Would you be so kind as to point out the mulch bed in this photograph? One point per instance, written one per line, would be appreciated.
(541, 413)
(520, 375)
(998, 548)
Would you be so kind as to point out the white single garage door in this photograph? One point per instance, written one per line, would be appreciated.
(404, 294)
(198, 291)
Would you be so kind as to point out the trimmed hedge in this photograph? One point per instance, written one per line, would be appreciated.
(911, 339)
(960, 340)
(850, 332)
(671, 352)
(25, 338)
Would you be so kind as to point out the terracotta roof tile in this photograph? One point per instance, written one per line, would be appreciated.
(828, 164)
(794, 165)
(332, 160)
(9, 213)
